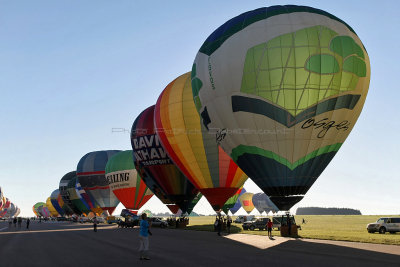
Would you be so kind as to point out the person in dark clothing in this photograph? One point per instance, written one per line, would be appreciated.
(95, 224)
(289, 223)
(28, 221)
(218, 222)
(228, 224)
(15, 222)
(19, 222)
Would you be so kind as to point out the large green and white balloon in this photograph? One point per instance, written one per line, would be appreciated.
(281, 87)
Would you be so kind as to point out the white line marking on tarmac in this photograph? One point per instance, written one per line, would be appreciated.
(3, 229)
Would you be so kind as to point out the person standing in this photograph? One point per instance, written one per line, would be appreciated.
(144, 237)
(269, 228)
(289, 224)
(19, 222)
(95, 224)
(15, 222)
(28, 221)
(219, 224)
(228, 224)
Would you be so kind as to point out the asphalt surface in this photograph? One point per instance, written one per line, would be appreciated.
(69, 244)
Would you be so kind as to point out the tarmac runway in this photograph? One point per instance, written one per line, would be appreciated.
(74, 244)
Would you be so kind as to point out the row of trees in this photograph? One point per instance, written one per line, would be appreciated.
(326, 211)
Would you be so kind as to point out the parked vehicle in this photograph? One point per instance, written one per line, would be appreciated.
(278, 221)
(243, 218)
(158, 222)
(258, 223)
(383, 225)
(128, 219)
(112, 219)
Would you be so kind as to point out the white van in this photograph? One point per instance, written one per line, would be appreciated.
(383, 225)
(243, 218)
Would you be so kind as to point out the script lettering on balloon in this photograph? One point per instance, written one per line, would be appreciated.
(325, 125)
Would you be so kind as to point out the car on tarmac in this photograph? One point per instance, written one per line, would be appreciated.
(158, 222)
(385, 224)
(257, 223)
(243, 218)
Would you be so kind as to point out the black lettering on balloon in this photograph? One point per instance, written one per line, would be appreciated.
(325, 125)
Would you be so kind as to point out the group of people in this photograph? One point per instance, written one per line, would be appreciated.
(178, 222)
(18, 221)
(221, 223)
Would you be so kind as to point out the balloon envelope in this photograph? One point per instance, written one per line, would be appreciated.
(246, 202)
(282, 87)
(68, 207)
(76, 198)
(125, 182)
(91, 174)
(230, 203)
(159, 173)
(55, 198)
(50, 207)
(237, 205)
(192, 148)
(263, 204)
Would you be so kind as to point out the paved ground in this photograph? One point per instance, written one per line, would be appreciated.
(66, 244)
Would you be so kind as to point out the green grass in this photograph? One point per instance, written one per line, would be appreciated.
(329, 227)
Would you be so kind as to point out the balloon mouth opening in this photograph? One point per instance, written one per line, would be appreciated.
(284, 203)
(218, 196)
(173, 208)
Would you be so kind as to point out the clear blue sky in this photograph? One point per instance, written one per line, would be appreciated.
(70, 71)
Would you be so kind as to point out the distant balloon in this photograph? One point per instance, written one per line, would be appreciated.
(44, 211)
(6, 206)
(35, 208)
(1, 198)
(246, 202)
(55, 199)
(230, 203)
(237, 204)
(91, 174)
(50, 207)
(76, 199)
(263, 204)
(159, 173)
(10, 211)
(125, 182)
(192, 148)
(282, 87)
(68, 207)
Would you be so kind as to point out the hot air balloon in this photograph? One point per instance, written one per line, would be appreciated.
(230, 203)
(281, 87)
(68, 207)
(91, 174)
(263, 204)
(76, 199)
(192, 148)
(237, 204)
(44, 211)
(50, 207)
(159, 173)
(125, 182)
(35, 208)
(1, 198)
(10, 211)
(6, 206)
(54, 198)
(246, 202)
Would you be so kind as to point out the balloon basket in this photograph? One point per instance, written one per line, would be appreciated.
(285, 231)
